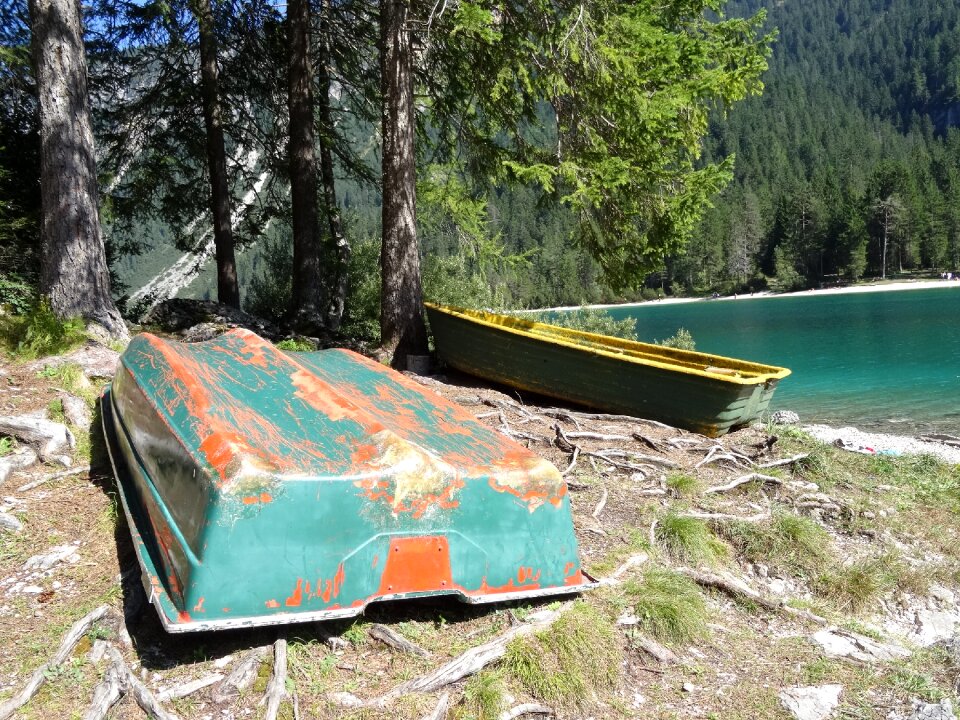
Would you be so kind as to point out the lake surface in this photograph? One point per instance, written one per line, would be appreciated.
(887, 361)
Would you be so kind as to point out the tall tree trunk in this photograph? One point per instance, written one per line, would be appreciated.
(74, 273)
(307, 289)
(228, 289)
(338, 287)
(402, 327)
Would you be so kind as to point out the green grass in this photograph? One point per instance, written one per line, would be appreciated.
(690, 540)
(55, 410)
(297, 345)
(70, 377)
(786, 542)
(683, 485)
(6, 445)
(857, 586)
(670, 607)
(39, 333)
(483, 697)
(565, 665)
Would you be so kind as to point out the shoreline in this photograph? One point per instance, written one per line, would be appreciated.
(879, 286)
(850, 438)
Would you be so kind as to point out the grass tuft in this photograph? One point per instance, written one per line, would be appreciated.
(39, 332)
(565, 665)
(7, 444)
(856, 586)
(483, 697)
(682, 484)
(690, 540)
(786, 542)
(297, 345)
(670, 607)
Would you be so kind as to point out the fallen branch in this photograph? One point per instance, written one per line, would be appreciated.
(743, 480)
(526, 708)
(785, 461)
(54, 476)
(39, 677)
(395, 640)
(741, 591)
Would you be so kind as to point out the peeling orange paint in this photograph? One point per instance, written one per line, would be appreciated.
(297, 597)
(272, 604)
(183, 617)
(575, 579)
(199, 606)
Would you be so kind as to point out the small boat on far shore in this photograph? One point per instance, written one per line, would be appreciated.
(709, 394)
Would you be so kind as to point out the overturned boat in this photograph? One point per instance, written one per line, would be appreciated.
(709, 394)
(265, 487)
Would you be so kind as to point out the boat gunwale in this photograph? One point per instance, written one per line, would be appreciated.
(510, 327)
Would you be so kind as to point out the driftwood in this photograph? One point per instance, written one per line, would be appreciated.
(39, 677)
(55, 476)
(132, 685)
(241, 677)
(597, 436)
(743, 480)
(395, 640)
(741, 591)
(525, 709)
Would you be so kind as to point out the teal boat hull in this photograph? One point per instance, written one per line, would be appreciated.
(264, 487)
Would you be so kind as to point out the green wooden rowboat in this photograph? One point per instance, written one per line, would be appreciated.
(264, 487)
(709, 394)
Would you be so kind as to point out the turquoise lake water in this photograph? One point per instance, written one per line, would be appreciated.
(887, 361)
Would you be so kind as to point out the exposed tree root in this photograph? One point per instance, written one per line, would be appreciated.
(741, 591)
(441, 710)
(277, 687)
(525, 709)
(39, 677)
(743, 480)
(395, 640)
(241, 677)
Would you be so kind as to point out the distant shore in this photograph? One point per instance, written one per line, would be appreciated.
(878, 286)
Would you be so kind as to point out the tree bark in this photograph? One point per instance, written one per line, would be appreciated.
(228, 289)
(74, 273)
(402, 326)
(336, 299)
(307, 290)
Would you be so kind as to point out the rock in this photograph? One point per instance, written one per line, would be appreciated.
(76, 411)
(933, 626)
(22, 457)
(9, 523)
(952, 648)
(785, 417)
(942, 710)
(50, 438)
(47, 560)
(837, 643)
(180, 314)
(811, 703)
(688, 687)
(96, 360)
(944, 595)
(204, 332)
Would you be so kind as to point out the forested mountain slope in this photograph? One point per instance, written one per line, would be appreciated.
(855, 134)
